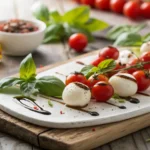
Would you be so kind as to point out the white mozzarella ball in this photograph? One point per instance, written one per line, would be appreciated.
(124, 84)
(76, 94)
(145, 47)
(125, 56)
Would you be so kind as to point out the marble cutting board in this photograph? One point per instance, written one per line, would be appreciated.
(72, 118)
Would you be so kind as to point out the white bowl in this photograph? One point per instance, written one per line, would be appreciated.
(19, 44)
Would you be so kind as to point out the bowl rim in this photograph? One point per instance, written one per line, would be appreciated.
(40, 24)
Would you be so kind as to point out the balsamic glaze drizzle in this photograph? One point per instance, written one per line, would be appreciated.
(121, 107)
(39, 110)
(131, 99)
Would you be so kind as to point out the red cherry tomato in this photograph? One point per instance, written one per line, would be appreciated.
(97, 61)
(142, 79)
(102, 4)
(109, 52)
(131, 63)
(78, 41)
(117, 5)
(78, 1)
(145, 9)
(145, 57)
(132, 9)
(76, 77)
(102, 91)
(88, 2)
(96, 78)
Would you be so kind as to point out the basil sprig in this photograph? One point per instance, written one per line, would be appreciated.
(60, 27)
(103, 67)
(29, 84)
(127, 35)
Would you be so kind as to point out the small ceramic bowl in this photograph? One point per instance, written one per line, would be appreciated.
(19, 44)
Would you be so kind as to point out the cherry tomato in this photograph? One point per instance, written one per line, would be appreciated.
(109, 52)
(78, 41)
(97, 61)
(88, 2)
(145, 9)
(102, 91)
(96, 78)
(132, 9)
(143, 80)
(117, 5)
(76, 77)
(78, 1)
(131, 63)
(102, 4)
(145, 57)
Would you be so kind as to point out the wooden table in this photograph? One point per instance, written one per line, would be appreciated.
(48, 54)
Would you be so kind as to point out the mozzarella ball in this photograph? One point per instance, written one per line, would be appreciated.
(125, 56)
(145, 47)
(76, 94)
(124, 84)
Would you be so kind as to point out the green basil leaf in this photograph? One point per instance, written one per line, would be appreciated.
(50, 86)
(106, 65)
(9, 82)
(79, 14)
(41, 12)
(54, 33)
(129, 39)
(146, 38)
(94, 25)
(27, 68)
(55, 16)
(116, 31)
(50, 103)
(89, 70)
(28, 87)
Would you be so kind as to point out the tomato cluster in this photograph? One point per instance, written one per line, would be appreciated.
(99, 84)
(132, 9)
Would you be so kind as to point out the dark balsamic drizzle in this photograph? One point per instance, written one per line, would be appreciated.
(92, 113)
(39, 110)
(121, 107)
(131, 99)
(143, 94)
(81, 63)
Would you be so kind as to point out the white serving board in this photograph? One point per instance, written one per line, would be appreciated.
(72, 118)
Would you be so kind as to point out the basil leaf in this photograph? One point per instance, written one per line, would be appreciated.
(146, 38)
(28, 87)
(106, 65)
(27, 68)
(54, 33)
(50, 86)
(129, 39)
(94, 24)
(118, 30)
(50, 103)
(10, 81)
(41, 12)
(55, 17)
(80, 14)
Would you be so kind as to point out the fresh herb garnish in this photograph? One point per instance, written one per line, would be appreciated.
(50, 103)
(118, 98)
(127, 35)
(104, 67)
(60, 27)
(28, 84)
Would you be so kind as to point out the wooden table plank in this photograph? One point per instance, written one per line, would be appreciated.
(20, 129)
(85, 138)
